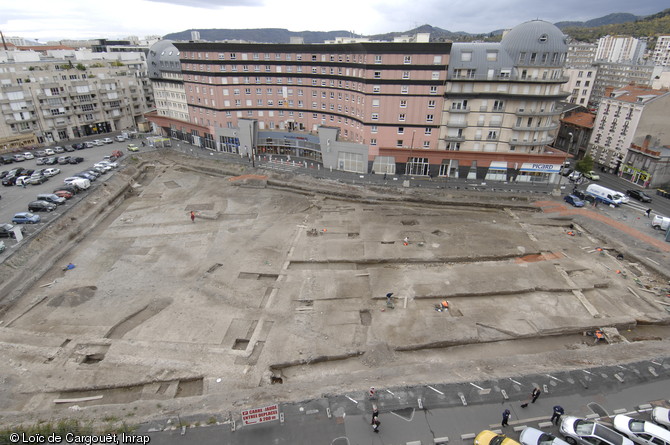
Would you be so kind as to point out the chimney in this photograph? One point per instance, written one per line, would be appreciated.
(647, 139)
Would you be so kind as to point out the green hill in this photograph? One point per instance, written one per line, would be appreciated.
(650, 26)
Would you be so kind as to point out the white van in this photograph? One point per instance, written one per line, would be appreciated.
(603, 194)
(80, 183)
(660, 222)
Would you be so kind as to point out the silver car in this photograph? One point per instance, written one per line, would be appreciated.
(589, 432)
(640, 431)
(532, 436)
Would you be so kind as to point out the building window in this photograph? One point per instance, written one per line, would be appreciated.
(405, 74)
(398, 143)
(407, 60)
(428, 131)
(375, 116)
(429, 118)
(378, 59)
(401, 117)
(435, 75)
(491, 56)
(404, 89)
(426, 144)
(466, 56)
(433, 90)
(403, 104)
(492, 136)
(373, 141)
(374, 129)
(498, 105)
(376, 89)
(401, 130)
(378, 75)
(431, 104)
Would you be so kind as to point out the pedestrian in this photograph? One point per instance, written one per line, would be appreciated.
(192, 216)
(505, 418)
(598, 334)
(375, 412)
(558, 412)
(375, 424)
(535, 394)
(389, 299)
(384, 176)
(647, 213)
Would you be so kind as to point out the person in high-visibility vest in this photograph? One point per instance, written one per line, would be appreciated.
(599, 335)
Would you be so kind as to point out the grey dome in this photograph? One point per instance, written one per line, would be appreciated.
(163, 56)
(534, 36)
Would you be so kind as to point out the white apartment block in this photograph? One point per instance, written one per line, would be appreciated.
(619, 75)
(627, 115)
(620, 49)
(661, 55)
(168, 81)
(70, 94)
(580, 54)
(580, 84)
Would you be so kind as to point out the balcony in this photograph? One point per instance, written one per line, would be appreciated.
(457, 124)
(459, 110)
(540, 112)
(535, 142)
(553, 126)
(454, 138)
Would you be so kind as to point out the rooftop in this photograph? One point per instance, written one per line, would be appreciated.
(580, 119)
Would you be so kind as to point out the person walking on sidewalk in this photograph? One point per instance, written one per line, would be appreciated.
(647, 213)
(375, 424)
(558, 412)
(535, 394)
(505, 418)
(192, 216)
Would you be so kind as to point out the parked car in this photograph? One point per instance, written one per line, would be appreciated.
(120, 138)
(78, 146)
(588, 432)
(133, 147)
(63, 160)
(76, 160)
(89, 144)
(6, 159)
(63, 194)
(28, 155)
(86, 175)
(488, 437)
(26, 218)
(107, 141)
(639, 195)
(40, 153)
(103, 166)
(661, 416)
(37, 180)
(69, 148)
(658, 222)
(111, 164)
(7, 231)
(8, 180)
(97, 142)
(22, 180)
(49, 152)
(116, 154)
(593, 176)
(41, 206)
(573, 200)
(49, 172)
(78, 182)
(641, 431)
(40, 161)
(4, 173)
(59, 149)
(67, 188)
(53, 160)
(51, 197)
(18, 158)
(532, 436)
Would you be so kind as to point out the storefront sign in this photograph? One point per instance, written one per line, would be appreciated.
(260, 415)
(543, 168)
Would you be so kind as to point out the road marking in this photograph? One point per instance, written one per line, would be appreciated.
(656, 363)
(515, 381)
(504, 394)
(552, 377)
(652, 371)
(460, 394)
(351, 399)
(420, 403)
(588, 372)
(478, 387)
(439, 392)
(389, 392)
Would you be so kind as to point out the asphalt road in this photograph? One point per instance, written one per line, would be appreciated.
(423, 414)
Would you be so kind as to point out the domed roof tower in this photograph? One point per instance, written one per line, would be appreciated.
(536, 37)
(163, 56)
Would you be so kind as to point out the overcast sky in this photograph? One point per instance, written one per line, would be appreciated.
(83, 19)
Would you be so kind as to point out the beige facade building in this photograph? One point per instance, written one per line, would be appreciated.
(661, 54)
(69, 94)
(627, 116)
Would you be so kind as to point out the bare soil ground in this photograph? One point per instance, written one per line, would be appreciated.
(277, 285)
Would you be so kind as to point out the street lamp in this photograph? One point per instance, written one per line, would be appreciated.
(251, 141)
(411, 153)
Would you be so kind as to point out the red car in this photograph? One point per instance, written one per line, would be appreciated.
(63, 194)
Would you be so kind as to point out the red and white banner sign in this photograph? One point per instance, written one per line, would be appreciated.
(260, 415)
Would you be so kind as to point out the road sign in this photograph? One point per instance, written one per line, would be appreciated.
(260, 415)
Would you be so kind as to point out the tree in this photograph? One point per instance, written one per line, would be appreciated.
(584, 165)
(81, 67)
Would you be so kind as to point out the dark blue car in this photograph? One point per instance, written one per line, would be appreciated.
(573, 200)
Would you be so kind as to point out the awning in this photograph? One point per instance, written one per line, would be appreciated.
(498, 165)
(544, 168)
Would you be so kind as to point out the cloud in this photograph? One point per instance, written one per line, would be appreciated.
(210, 4)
